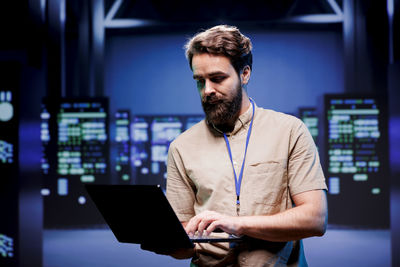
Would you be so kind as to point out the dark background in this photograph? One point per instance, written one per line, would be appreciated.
(135, 57)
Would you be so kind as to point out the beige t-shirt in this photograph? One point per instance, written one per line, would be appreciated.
(281, 161)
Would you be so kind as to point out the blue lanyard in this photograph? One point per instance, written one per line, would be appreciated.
(238, 182)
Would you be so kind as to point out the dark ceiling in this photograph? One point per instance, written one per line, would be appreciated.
(17, 29)
(208, 10)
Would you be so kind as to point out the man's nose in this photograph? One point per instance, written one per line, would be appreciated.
(208, 88)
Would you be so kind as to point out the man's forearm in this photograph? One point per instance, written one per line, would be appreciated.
(293, 224)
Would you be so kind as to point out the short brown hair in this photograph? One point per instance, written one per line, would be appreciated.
(222, 40)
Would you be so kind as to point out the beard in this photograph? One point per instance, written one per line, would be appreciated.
(223, 112)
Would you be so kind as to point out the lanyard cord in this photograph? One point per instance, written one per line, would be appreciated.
(238, 182)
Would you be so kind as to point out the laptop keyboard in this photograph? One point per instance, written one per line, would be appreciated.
(215, 238)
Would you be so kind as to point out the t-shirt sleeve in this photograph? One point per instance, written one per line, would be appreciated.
(304, 168)
(180, 190)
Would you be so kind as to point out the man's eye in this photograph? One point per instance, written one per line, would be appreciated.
(217, 79)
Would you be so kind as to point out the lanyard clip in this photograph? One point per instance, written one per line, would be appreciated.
(237, 205)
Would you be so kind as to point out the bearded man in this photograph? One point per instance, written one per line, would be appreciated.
(245, 170)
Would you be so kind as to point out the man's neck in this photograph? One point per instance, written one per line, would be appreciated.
(245, 103)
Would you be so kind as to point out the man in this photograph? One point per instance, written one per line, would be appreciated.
(245, 170)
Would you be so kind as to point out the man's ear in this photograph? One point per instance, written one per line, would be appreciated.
(245, 75)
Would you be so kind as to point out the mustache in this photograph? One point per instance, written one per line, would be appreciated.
(211, 100)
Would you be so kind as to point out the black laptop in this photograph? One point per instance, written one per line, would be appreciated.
(141, 214)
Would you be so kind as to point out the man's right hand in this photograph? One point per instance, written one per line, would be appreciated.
(180, 253)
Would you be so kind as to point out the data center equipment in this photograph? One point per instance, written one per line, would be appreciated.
(309, 115)
(75, 138)
(356, 160)
(151, 137)
(123, 143)
(9, 167)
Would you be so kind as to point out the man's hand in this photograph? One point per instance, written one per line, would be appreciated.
(181, 253)
(208, 221)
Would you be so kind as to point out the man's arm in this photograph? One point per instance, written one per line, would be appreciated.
(307, 218)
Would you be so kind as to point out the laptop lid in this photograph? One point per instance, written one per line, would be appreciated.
(139, 214)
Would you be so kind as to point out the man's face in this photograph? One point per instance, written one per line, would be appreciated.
(219, 87)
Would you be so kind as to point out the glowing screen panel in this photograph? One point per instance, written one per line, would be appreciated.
(6, 117)
(45, 137)
(6, 246)
(140, 154)
(75, 139)
(310, 118)
(356, 160)
(122, 138)
(163, 131)
(82, 136)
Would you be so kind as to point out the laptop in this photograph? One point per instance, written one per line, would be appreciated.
(141, 214)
